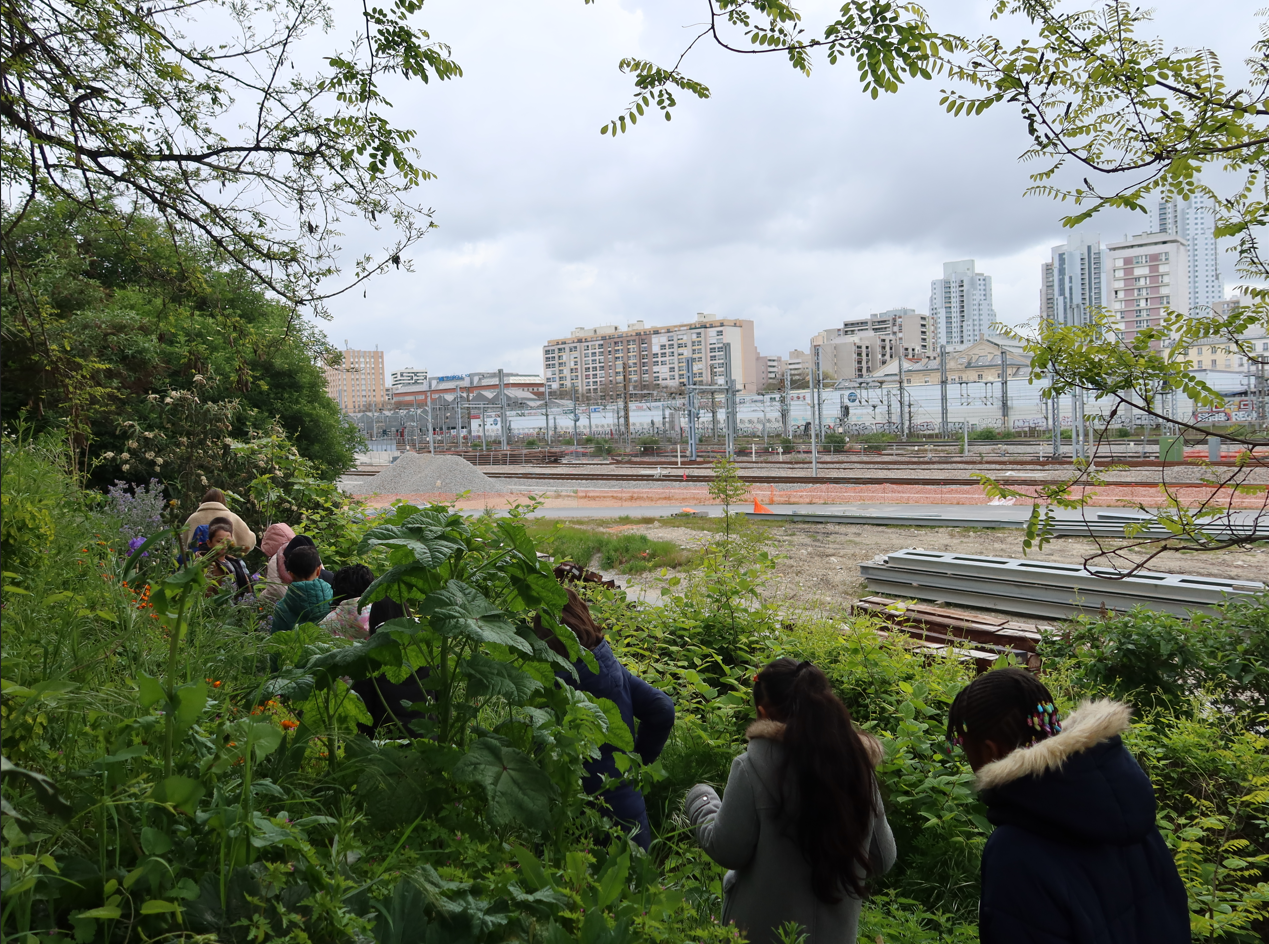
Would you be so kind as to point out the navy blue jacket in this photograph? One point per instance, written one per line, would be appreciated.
(1075, 856)
(636, 699)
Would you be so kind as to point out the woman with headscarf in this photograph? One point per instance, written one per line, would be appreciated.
(276, 577)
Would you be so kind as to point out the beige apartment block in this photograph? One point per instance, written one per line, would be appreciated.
(605, 362)
(358, 384)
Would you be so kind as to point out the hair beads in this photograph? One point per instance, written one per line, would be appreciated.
(1009, 707)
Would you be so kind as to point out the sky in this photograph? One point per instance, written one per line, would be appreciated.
(796, 202)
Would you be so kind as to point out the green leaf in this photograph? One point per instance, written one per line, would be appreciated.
(154, 841)
(531, 867)
(489, 677)
(181, 792)
(461, 610)
(265, 738)
(158, 906)
(191, 699)
(107, 913)
(518, 790)
(358, 661)
(618, 733)
(613, 879)
(150, 689)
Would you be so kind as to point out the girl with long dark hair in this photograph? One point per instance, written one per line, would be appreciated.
(801, 823)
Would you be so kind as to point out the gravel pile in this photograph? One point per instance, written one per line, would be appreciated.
(414, 474)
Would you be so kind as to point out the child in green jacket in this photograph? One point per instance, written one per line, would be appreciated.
(307, 597)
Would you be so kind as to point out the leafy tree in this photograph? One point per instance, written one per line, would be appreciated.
(236, 143)
(112, 332)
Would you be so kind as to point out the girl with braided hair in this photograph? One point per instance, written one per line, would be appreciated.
(801, 823)
(1075, 856)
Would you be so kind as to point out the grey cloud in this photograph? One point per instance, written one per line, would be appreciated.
(789, 200)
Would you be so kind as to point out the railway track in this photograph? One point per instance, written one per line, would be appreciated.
(831, 478)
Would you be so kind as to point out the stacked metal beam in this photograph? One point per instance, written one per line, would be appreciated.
(1108, 525)
(1043, 588)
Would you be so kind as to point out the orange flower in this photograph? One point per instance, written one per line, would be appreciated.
(289, 725)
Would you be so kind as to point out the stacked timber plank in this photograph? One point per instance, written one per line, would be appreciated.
(1044, 588)
(977, 636)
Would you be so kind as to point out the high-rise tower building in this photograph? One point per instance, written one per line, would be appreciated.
(1193, 221)
(1075, 281)
(960, 303)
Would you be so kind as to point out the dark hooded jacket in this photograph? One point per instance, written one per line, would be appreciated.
(1075, 856)
(636, 700)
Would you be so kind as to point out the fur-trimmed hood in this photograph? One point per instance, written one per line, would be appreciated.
(1089, 724)
(1080, 785)
(766, 730)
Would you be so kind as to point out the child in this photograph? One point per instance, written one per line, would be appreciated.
(1075, 856)
(307, 597)
(225, 571)
(346, 620)
(801, 822)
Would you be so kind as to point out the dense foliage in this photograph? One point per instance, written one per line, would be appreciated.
(95, 318)
(172, 770)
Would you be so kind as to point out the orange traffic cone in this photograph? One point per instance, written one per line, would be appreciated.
(759, 508)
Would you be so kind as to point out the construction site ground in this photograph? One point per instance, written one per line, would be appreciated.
(817, 566)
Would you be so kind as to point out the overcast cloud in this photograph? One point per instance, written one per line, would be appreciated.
(795, 202)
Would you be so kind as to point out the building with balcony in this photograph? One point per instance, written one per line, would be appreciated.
(608, 363)
(1150, 273)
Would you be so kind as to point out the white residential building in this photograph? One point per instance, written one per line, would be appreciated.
(607, 361)
(1075, 281)
(960, 303)
(1150, 272)
(1193, 221)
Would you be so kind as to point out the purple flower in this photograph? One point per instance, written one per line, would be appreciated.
(136, 543)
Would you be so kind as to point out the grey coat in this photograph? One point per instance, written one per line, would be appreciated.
(770, 881)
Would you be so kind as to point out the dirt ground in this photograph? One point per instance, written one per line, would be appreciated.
(817, 565)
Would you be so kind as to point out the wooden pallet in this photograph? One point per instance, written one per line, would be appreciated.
(940, 628)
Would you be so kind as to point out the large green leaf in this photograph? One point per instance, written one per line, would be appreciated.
(181, 792)
(536, 590)
(191, 699)
(408, 581)
(358, 661)
(429, 543)
(618, 733)
(518, 790)
(489, 677)
(458, 609)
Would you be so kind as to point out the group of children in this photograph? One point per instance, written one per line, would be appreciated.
(292, 579)
(1075, 856)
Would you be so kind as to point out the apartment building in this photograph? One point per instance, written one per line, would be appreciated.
(961, 304)
(358, 383)
(768, 370)
(1150, 272)
(861, 345)
(606, 361)
(1076, 280)
(1194, 221)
